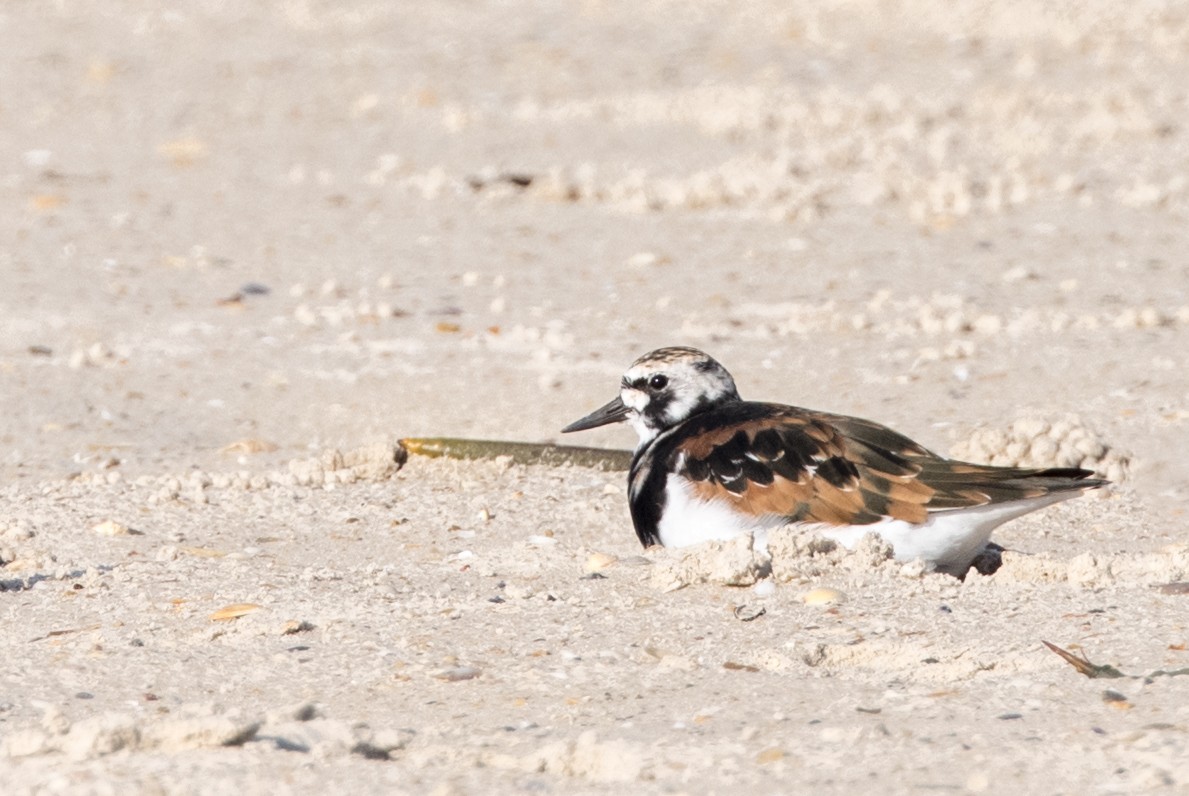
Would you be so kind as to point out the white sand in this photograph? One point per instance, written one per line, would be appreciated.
(939, 217)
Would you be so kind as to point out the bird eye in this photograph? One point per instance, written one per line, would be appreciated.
(658, 382)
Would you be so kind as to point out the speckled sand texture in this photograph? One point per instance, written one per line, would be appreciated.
(247, 246)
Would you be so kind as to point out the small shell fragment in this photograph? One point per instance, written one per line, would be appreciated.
(294, 626)
(111, 528)
(233, 611)
(597, 562)
(202, 552)
(458, 673)
(183, 151)
(764, 588)
(823, 596)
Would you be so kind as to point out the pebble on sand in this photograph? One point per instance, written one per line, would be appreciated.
(823, 596)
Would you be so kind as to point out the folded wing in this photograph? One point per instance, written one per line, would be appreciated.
(816, 467)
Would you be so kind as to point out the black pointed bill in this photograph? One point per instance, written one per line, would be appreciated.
(612, 412)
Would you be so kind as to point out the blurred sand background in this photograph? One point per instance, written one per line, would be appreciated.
(238, 236)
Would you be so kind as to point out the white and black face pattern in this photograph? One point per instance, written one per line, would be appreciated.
(669, 385)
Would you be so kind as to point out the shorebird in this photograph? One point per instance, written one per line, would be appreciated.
(711, 466)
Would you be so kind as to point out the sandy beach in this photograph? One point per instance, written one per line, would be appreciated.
(248, 247)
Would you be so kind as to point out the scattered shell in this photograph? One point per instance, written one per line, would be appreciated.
(458, 673)
(202, 552)
(823, 596)
(597, 562)
(111, 528)
(294, 626)
(764, 588)
(183, 151)
(233, 611)
(642, 259)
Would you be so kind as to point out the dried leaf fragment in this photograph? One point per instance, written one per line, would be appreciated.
(233, 611)
(518, 452)
(65, 632)
(46, 202)
(1084, 665)
(732, 666)
(249, 446)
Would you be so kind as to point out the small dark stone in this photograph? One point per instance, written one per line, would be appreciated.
(519, 180)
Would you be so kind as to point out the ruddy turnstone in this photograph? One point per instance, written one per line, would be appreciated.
(710, 465)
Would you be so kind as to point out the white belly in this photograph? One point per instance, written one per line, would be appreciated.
(687, 521)
(947, 541)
